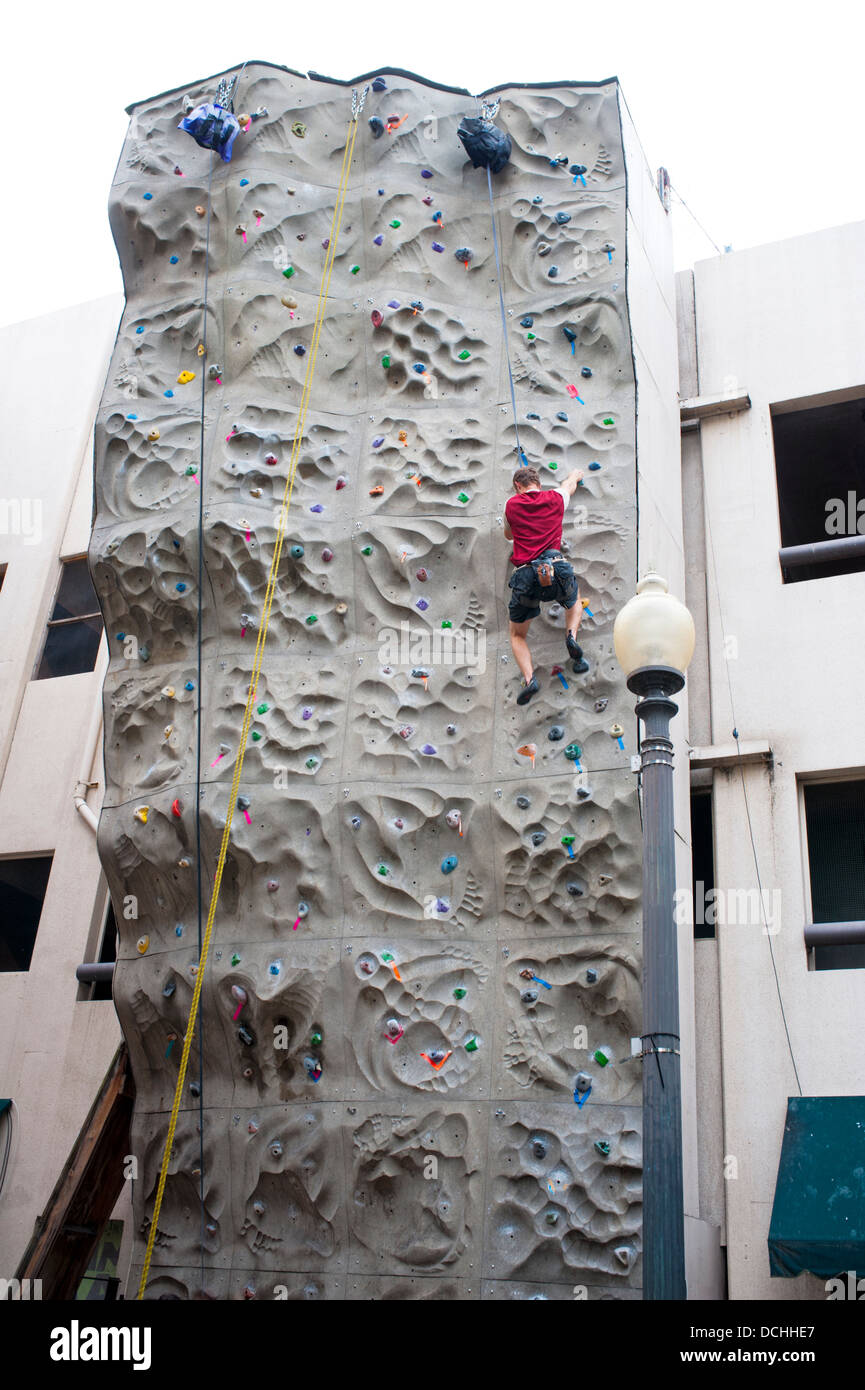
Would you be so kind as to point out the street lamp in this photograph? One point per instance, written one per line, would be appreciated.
(654, 640)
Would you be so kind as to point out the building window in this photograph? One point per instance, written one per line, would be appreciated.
(22, 892)
(835, 823)
(702, 863)
(75, 626)
(820, 469)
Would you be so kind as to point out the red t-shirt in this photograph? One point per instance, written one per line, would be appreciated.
(535, 519)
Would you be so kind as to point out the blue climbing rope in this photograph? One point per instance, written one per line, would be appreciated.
(523, 458)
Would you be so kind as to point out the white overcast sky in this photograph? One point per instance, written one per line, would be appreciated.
(754, 108)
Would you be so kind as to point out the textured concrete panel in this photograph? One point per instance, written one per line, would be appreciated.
(409, 968)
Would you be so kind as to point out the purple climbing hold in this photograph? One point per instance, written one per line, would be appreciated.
(306, 712)
(422, 605)
(377, 240)
(393, 303)
(426, 173)
(327, 555)
(316, 507)
(429, 750)
(437, 246)
(378, 441)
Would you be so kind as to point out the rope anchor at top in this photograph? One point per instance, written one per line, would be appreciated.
(357, 102)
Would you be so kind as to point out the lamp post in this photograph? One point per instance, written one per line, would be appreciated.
(654, 641)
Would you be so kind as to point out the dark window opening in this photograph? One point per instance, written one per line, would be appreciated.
(3, 569)
(702, 861)
(835, 822)
(75, 625)
(108, 953)
(23, 883)
(820, 469)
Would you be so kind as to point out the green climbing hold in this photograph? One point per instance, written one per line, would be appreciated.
(191, 472)
(385, 361)
(313, 618)
(355, 269)
(462, 497)
(459, 993)
(602, 1057)
(235, 959)
(553, 466)
(573, 752)
(382, 869)
(603, 1147)
(446, 622)
(396, 222)
(609, 420)
(262, 709)
(386, 957)
(255, 736)
(288, 272)
(316, 1039)
(367, 550)
(312, 763)
(530, 337)
(472, 1045)
(464, 355)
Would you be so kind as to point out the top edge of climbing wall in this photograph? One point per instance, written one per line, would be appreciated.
(374, 72)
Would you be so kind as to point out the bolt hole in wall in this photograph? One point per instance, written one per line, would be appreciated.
(835, 828)
(23, 884)
(75, 626)
(820, 472)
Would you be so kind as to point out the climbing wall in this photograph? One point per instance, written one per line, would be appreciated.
(424, 973)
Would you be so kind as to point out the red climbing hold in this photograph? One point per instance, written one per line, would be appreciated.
(377, 318)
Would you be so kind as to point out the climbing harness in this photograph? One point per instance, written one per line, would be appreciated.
(351, 135)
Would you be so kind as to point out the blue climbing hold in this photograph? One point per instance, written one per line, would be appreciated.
(593, 467)
(418, 367)
(527, 322)
(147, 197)
(552, 272)
(449, 863)
(426, 173)
(173, 260)
(190, 685)
(381, 192)
(299, 349)
(244, 182)
(169, 394)
(180, 587)
(297, 552)
(561, 415)
(586, 372)
(139, 330)
(132, 417)
(562, 218)
(379, 84)
(316, 507)
(376, 126)
(437, 246)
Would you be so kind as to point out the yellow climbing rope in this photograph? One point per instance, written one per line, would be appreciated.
(351, 135)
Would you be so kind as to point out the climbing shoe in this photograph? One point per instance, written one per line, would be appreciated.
(531, 689)
(576, 651)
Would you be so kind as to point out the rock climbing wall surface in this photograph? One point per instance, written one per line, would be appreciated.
(425, 964)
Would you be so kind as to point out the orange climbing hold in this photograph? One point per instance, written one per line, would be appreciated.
(438, 1063)
(529, 750)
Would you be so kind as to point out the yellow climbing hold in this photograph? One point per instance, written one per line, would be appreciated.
(200, 350)
(168, 691)
(142, 943)
(185, 377)
(153, 436)
(141, 813)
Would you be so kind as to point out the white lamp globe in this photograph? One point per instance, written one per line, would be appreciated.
(653, 629)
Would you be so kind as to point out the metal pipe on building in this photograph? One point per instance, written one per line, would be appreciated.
(834, 934)
(839, 548)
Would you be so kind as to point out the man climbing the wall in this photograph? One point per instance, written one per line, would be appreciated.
(533, 521)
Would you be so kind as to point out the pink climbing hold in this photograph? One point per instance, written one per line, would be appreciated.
(574, 394)
(377, 318)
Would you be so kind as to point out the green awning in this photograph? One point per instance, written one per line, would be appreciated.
(818, 1217)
